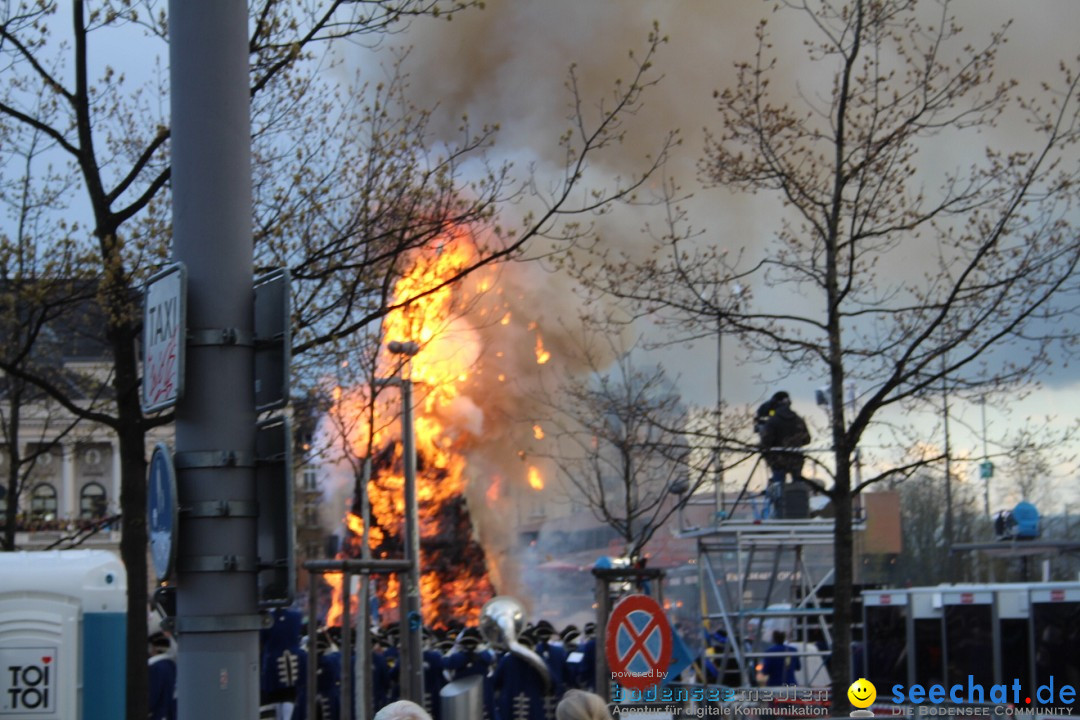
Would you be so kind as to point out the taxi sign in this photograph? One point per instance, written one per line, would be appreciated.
(164, 338)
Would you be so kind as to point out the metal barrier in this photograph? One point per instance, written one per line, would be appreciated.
(347, 568)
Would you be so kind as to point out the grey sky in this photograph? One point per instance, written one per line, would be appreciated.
(507, 64)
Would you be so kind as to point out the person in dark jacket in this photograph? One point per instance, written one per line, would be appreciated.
(781, 431)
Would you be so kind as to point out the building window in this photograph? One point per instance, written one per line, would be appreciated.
(311, 515)
(43, 502)
(92, 501)
(311, 478)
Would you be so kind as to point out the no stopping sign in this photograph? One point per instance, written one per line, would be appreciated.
(638, 642)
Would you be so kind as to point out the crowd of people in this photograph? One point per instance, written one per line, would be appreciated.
(513, 688)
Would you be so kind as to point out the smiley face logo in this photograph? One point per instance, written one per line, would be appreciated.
(862, 693)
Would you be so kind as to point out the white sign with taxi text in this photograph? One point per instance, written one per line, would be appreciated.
(164, 335)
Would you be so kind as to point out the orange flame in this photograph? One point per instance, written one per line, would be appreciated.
(538, 432)
(355, 524)
(536, 482)
(542, 355)
(337, 609)
(439, 371)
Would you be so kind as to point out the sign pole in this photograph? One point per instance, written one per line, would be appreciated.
(216, 563)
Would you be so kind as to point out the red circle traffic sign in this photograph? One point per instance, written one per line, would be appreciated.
(638, 642)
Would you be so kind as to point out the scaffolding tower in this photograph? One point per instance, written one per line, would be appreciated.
(759, 576)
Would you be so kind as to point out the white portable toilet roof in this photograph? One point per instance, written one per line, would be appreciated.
(96, 577)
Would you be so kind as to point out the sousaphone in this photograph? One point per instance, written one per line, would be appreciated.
(501, 621)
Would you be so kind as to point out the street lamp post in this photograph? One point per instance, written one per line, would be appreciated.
(412, 680)
(718, 453)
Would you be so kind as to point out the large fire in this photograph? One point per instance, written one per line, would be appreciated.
(454, 574)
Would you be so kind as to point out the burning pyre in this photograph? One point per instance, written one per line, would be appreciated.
(446, 373)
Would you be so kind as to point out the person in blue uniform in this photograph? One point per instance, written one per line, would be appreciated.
(571, 637)
(780, 669)
(469, 659)
(280, 662)
(327, 681)
(550, 648)
(162, 677)
(520, 690)
(434, 680)
(585, 667)
(385, 685)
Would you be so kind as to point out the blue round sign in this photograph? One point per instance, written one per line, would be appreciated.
(161, 510)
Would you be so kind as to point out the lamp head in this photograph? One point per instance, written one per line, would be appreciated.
(403, 348)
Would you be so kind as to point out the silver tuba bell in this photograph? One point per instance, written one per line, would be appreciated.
(501, 621)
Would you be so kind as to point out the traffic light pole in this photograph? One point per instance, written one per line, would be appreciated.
(217, 618)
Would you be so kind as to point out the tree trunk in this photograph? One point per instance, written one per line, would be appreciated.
(14, 465)
(10, 512)
(133, 548)
(133, 539)
(843, 581)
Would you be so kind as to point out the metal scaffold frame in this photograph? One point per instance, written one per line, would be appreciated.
(756, 574)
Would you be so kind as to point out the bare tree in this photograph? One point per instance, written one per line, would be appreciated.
(993, 251)
(43, 318)
(1030, 468)
(921, 500)
(618, 434)
(339, 219)
(37, 326)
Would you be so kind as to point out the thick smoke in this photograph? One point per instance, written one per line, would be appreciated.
(507, 64)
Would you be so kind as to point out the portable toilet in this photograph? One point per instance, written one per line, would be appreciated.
(1055, 633)
(970, 631)
(62, 635)
(1013, 613)
(926, 665)
(887, 634)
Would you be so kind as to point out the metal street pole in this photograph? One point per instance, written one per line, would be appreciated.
(986, 469)
(718, 455)
(950, 563)
(217, 599)
(362, 674)
(412, 678)
(347, 646)
(412, 653)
